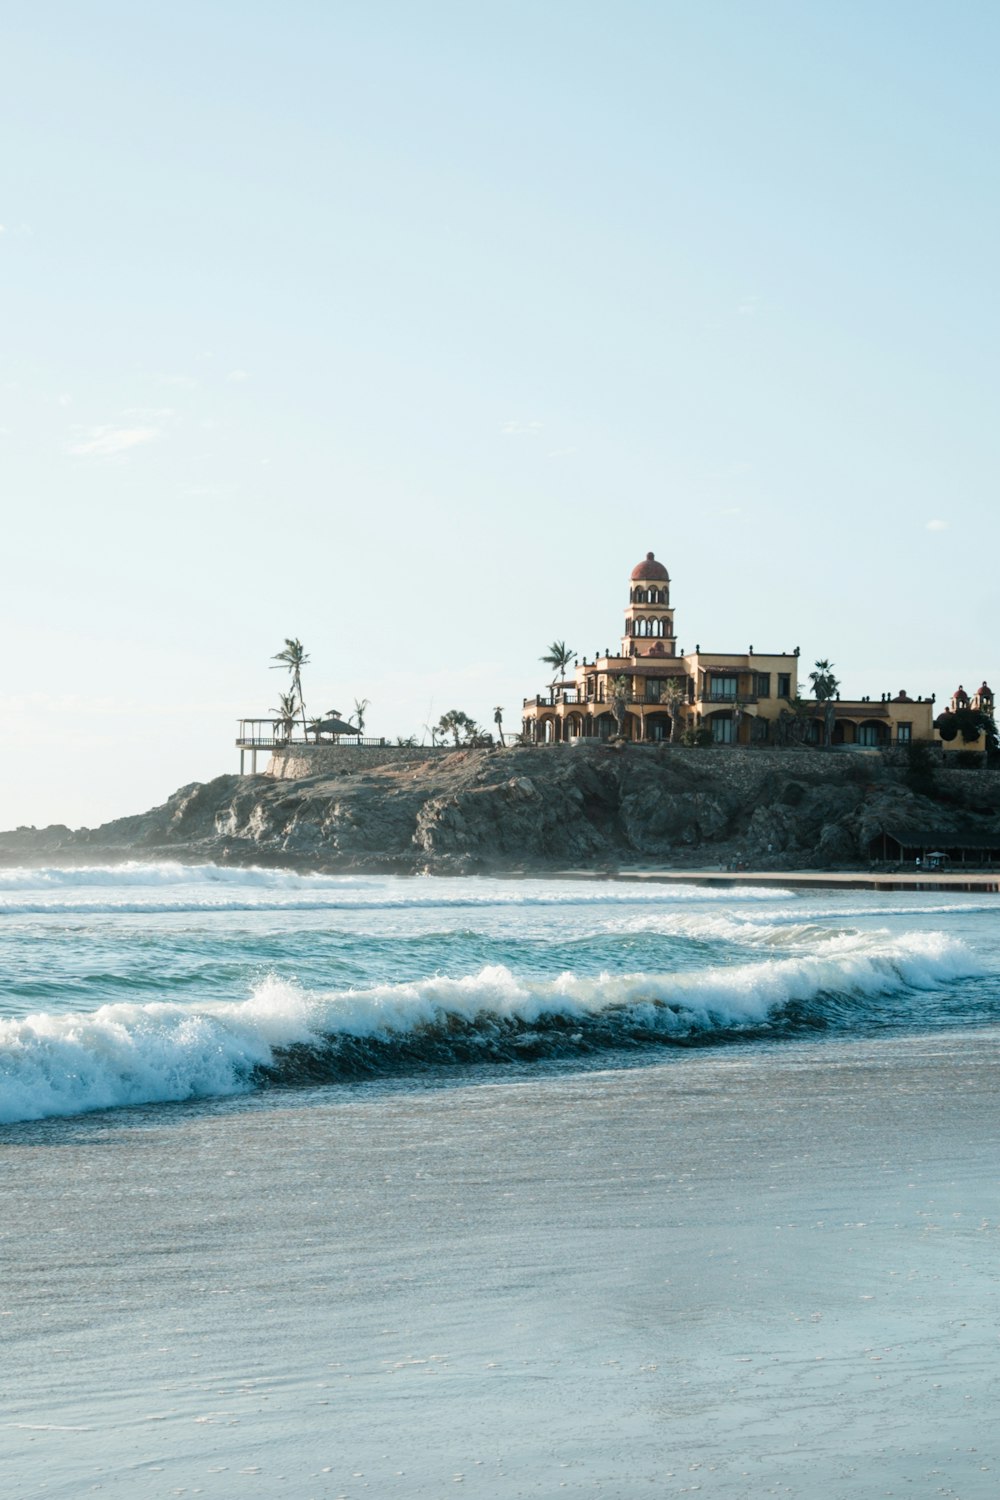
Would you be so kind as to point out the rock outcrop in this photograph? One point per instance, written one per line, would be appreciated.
(539, 808)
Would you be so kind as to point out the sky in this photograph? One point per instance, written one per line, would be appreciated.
(406, 327)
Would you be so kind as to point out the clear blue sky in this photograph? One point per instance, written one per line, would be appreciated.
(407, 328)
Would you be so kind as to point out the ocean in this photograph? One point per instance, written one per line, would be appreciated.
(338, 1186)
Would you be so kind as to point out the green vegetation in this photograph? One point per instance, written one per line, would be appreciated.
(285, 715)
(463, 730)
(672, 695)
(825, 690)
(619, 696)
(558, 657)
(970, 723)
(292, 658)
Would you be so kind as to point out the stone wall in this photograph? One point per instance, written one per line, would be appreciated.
(331, 760)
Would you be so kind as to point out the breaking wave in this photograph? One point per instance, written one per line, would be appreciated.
(131, 1054)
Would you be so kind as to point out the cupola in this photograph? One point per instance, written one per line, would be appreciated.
(649, 619)
(650, 570)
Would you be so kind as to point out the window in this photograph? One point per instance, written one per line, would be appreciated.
(722, 730)
(722, 687)
(762, 684)
(904, 733)
(784, 684)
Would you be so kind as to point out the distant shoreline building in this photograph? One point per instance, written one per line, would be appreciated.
(650, 691)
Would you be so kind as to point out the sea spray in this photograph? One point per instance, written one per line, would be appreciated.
(129, 1054)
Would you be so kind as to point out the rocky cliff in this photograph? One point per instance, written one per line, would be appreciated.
(554, 807)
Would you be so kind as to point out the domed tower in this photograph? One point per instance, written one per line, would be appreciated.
(649, 620)
(982, 699)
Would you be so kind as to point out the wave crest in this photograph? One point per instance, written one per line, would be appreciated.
(129, 1054)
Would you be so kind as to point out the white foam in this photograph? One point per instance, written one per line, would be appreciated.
(127, 1054)
(168, 886)
(140, 1054)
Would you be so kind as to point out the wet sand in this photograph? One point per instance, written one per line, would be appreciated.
(729, 1274)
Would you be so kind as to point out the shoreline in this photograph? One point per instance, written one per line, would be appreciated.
(984, 881)
(756, 1239)
(853, 880)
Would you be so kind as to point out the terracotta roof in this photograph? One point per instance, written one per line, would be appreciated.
(650, 569)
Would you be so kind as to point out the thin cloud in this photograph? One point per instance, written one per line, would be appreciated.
(108, 442)
(237, 375)
(937, 526)
(521, 429)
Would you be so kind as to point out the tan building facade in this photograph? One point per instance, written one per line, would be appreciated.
(649, 691)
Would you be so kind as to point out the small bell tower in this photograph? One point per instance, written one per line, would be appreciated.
(649, 619)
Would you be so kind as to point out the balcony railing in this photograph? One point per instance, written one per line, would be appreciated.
(552, 700)
(265, 734)
(711, 697)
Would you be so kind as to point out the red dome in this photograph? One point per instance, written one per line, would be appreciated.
(650, 569)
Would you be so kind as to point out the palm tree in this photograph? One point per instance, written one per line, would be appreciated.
(826, 687)
(673, 694)
(294, 658)
(498, 721)
(285, 715)
(620, 695)
(360, 704)
(797, 720)
(558, 658)
(825, 684)
(456, 723)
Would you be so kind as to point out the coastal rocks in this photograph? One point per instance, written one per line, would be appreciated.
(544, 808)
(511, 822)
(655, 821)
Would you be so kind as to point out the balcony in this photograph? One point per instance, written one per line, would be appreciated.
(266, 734)
(553, 699)
(721, 699)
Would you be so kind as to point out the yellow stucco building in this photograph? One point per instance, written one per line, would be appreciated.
(648, 691)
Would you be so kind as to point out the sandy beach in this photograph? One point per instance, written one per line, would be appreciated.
(720, 1274)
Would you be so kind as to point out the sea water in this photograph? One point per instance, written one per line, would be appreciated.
(345, 1185)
